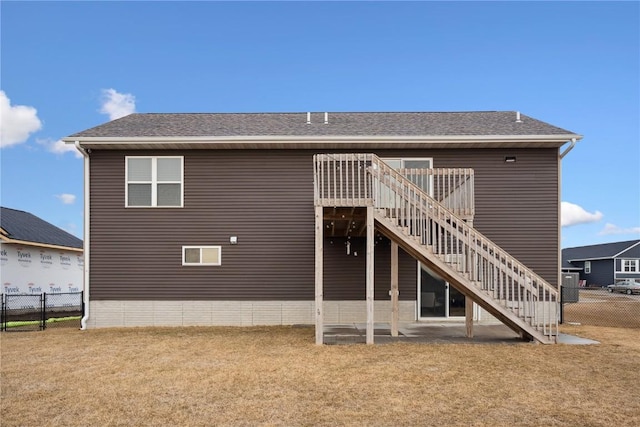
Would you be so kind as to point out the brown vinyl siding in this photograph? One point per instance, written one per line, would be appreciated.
(516, 203)
(344, 275)
(265, 198)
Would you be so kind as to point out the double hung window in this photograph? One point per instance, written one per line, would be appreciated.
(630, 265)
(154, 181)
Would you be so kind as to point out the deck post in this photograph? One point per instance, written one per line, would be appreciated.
(319, 275)
(394, 289)
(468, 314)
(370, 274)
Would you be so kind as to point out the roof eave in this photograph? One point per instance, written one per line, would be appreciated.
(279, 141)
(40, 244)
(591, 259)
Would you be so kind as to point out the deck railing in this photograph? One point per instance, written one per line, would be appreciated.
(343, 180)
(365, 180)
(451, 187)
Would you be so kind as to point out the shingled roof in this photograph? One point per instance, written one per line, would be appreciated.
(593, 252)
(498, 123)
(23, 227)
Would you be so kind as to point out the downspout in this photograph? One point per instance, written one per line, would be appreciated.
(560, 157)
(85, 240)
(569, 148)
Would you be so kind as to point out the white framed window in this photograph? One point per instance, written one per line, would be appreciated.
(154, 181)
(414, 164)
(201, 255)
(587, 267)
(630, 265)
(410, 168)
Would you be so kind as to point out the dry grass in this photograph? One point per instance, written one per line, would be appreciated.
(277, 376)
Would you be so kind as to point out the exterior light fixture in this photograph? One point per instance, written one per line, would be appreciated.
(233, 240)
(510, 159)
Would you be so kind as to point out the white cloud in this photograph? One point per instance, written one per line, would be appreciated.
(59, 147)
(614, 229)
(116, 104)
(573, 214)
(67, 199)
(17, 122)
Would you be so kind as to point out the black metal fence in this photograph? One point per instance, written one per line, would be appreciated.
(37, 312)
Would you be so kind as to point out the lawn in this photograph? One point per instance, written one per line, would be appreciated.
(276, 376)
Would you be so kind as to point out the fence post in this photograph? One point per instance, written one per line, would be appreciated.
(43, 310)
(561, 304)
(82, 305)
(2, 315)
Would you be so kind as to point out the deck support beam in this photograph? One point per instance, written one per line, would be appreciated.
(370, 274)
(394, 289)
(468, 316)
(319, 275)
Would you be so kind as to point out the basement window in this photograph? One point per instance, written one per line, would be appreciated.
(201, 255)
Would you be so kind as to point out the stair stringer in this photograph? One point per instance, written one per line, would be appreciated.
(423, 254)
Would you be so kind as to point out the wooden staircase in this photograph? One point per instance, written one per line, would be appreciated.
(439, 237)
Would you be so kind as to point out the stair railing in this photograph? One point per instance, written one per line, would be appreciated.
(365, 180)
(463, 248)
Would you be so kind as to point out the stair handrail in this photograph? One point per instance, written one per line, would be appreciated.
(432, 203)
(341, 179)
(441, 183)
(483, 246)
(426, 200)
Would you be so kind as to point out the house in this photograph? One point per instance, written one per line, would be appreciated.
(603, 264)
(303, 218)
(38, 257)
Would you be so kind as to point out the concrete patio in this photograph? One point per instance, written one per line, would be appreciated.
(434, 333)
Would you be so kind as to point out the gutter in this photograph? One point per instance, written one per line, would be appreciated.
(318, 140)
(569, 148)
(85, 318)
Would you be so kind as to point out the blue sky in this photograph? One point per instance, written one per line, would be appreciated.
(68, 66)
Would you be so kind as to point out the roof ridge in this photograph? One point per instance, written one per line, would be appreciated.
(604, 244)
(318, 112)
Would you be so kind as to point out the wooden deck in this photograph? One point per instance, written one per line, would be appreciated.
(429, 213)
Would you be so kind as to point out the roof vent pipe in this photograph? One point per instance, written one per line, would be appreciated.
(518, 117)
(326, 118)
(308, 118)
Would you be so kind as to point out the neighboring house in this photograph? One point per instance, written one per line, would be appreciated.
(604, 264)
(38, 257)
(243, 219)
